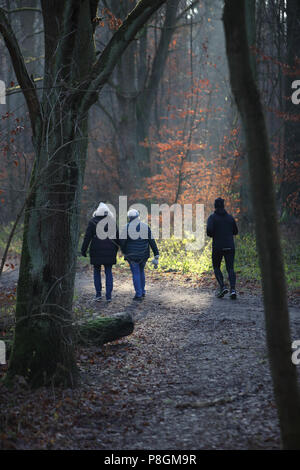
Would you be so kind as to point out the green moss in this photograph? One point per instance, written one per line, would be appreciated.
(40, 356)
(16, 243)
(102, 330)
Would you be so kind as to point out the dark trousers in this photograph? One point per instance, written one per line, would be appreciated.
(217, 256)
(108, 280)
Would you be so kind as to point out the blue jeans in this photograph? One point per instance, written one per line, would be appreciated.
(108, 280)
(138, 277)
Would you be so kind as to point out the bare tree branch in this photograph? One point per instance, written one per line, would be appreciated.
(162, 51)
(25, 82)
(112, 52)
(22, 9)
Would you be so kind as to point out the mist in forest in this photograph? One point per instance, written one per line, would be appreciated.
(165, 127)
(188, 109)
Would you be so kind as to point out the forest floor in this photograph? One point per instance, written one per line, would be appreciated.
(193, 375)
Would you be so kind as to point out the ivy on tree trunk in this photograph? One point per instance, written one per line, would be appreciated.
(247, 97)
(43, 349)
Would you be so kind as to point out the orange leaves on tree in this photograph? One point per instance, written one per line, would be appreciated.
(172, 45)
(99, 21)
(113, 22)
(184, 163)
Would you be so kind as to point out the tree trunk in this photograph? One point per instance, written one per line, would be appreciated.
(47, 270)
(126, 95)
(244, 88)
(146, 99)
(43, 350)
(136, 95)
(290, 187)
(247, 213)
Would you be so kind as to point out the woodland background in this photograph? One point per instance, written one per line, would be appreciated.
(165, 129)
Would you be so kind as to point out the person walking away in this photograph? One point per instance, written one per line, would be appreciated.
(135, 241)
(103, 251)
(222, 227)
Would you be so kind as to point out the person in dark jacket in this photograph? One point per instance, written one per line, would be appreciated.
(103, 251)
(135, 240)
(221, 226)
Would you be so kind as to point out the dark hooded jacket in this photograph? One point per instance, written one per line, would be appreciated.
(221, 226)
(137, 249)
(101, 251)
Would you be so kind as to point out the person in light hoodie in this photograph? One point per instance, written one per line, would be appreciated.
(102, 250)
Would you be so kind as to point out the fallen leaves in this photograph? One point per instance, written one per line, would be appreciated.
(134, 387)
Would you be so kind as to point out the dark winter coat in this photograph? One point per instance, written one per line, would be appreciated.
(101, 251)
(138, 249)
(221, 226)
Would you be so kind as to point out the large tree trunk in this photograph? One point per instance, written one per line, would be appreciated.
(136, 94)
(43, 349)
(290, 187)
(244, 88)
(146, 99)
(43, 335)
(247, 212)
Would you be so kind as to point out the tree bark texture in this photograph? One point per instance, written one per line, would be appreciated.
(43, 350)
(247, 97)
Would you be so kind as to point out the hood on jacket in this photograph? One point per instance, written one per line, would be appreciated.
(219, 206)
(219, 203)
(220, 211)
(102, 210)
(132, 214)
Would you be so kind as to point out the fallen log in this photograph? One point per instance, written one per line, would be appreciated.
(96, 331)
(101, 330)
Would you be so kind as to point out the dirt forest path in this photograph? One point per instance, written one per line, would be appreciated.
(193, 375)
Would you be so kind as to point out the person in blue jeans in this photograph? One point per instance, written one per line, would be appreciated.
(108, 281)
(103, 251)
(135, 241)
(138, 278)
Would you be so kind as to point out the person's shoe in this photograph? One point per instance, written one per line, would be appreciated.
(137, 298)
(222, 292)
(97, 298)
(233, 294)
(108, 300)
